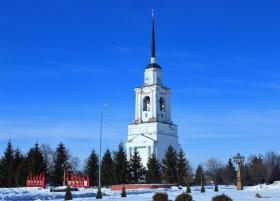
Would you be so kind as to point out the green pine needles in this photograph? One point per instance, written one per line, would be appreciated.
(216, 189)
(98, 194)
(189, 189)
(68, 194)
(202, 190)
(123, 193)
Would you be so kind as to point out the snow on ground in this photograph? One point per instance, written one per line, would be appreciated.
(274, 186)
(269, 192)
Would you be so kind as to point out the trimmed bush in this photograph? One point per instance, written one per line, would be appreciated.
(184, 197)
(216, 189)
(189, 189)
(68, 194)
(99, 193)
(160, 197)
(123, 194)
(221, 198)
(258, 195)
(202, 190)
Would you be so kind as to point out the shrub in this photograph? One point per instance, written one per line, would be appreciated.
(188, 189)
(123, 194)
(184, 197)
(216, 189)
(221, 198)
(68, 194)
(202, 190)
(98, 194)
(258, 195)
(160, 197)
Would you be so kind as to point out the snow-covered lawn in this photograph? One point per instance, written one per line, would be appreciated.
(269, 192)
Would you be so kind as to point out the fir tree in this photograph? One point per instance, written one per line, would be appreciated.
(60, 164)
(137, 171)
(230, 172)
(106, 169)
(183, 167)
(169, 166)
(20, 170)
(123, 193)
(216, 189)
(68, 194)
(202, 189)
(153, 173)
(91, 168)
(7, 167)
(35, 160)
(188, 188)
(98, 193)
(199, 175)
(200, 172)
(121, 166)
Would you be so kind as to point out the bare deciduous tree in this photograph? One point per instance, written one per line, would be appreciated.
(75, 163)
(48, 154)
(214, 166)
(256, 168)
(271, 163)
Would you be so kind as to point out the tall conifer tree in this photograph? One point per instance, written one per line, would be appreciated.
(7, 167)
(20, 170)
(153, 173)
(199, 175)
(183, 167)
(230, 172)
(91, 168)
(137, 171)
(169, 166)
(35, 160)
(121, 166)
(60, 164)
(107, 171)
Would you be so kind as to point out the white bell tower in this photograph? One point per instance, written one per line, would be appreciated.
(152, 129)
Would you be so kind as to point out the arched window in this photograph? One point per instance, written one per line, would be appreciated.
(161, 104)
(146, 103)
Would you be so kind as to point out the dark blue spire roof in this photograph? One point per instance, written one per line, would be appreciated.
(153, 47)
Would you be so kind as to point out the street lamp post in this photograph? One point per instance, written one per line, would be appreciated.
(239, 160)
(100, 144)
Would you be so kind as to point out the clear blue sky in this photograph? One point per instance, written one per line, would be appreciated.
(61, 60)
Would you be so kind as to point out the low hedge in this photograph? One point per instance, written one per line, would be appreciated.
(160, 197)
(221, 198)
(184, 197)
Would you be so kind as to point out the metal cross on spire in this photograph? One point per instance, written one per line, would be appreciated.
(153, 48)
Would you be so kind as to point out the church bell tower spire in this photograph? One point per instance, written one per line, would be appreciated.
(152, 129)
(153, 48)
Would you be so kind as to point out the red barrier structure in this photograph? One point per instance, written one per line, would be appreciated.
(36, 180)
(76, 180)
(137, 186)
